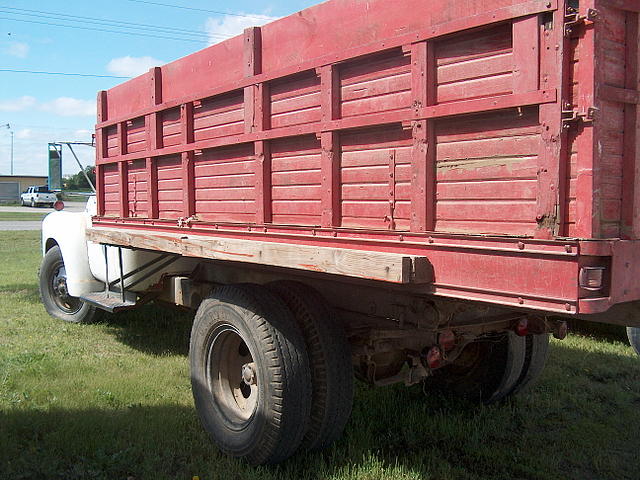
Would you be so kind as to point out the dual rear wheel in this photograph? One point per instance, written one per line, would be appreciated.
(270, 370)
(491, 369)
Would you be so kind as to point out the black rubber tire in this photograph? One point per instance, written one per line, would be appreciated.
(329, 359)
(537, 351)
(491, 377)
(77, 311)
(634, 338)
(276, 427)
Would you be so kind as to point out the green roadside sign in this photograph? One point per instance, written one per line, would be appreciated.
(55, 166)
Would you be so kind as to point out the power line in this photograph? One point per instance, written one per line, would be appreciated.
(259, 17)
(102, 30)
(68, 74)
(100, 21)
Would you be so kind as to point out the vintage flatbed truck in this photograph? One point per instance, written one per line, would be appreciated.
(411, 190)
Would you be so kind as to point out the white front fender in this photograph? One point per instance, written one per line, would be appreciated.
(67, 230)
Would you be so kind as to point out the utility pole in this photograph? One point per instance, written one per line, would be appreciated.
(11, 132)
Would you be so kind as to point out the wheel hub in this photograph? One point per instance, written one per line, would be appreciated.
(249, 373)
(232, 376)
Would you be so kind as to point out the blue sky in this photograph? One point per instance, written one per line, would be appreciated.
(45, 108)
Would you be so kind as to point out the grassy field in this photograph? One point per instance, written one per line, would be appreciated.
(18, 216)
(112, 401)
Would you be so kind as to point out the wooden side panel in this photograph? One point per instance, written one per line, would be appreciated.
(611, 129)
(111, 190)
(224, 180)
(136, 135)
(169, 173)
(374, 84)
(111, 141)
(219, 116)
(475, 65)
(171, 127)
(295, 100)
(486, 173)
(376, 178)
(137, 189)
(296, 181)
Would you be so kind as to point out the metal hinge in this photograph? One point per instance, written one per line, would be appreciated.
(573, 117)
(572, 19)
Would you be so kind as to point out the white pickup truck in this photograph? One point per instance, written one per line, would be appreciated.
(35, 196)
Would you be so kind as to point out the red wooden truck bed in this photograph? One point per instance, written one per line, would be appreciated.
(487, 147)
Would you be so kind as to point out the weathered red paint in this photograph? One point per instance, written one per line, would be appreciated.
(481, 134)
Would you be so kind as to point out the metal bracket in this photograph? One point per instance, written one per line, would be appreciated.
(573, 117)
(573, 19)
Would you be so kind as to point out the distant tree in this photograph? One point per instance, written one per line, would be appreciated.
(78, 181)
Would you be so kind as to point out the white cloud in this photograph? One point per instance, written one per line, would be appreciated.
(132, 66)
(229, 26)
(24, 133)
(17, 49)
(70, 107)
(17, 104)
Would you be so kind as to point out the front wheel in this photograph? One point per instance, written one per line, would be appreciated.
(250, 374)
(634, 338)
(55, 295)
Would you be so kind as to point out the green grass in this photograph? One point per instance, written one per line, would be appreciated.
(112, 400)
(19, 216)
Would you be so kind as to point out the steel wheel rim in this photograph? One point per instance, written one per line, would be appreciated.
(60, 293)
(229, 370)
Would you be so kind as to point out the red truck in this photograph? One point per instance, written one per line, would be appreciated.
(409, 191)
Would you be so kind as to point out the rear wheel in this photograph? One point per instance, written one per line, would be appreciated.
(487, 370)
(634, 338)
(55, 294)
(250, 374)
(329, 359)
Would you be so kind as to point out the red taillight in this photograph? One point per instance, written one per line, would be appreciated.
(447, 340)
(433, 358)
(522, 327)
(59, 205)
(591, 278)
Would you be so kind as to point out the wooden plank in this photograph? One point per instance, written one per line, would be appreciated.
(263, 189)
(102, 106)
(262, 107)
(155, 79)
(554, 62)
(123, 186)
(152, 189)
(329, 93)
(122, 138)
(526, 48)
(188, 185)
(630, 225)
(379, 266)
(100, 189)
(423, 92)
(330, 173)
(186, 123)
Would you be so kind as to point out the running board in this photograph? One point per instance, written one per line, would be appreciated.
(110, 301)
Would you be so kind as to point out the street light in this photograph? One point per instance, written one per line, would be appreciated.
(11, 132)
